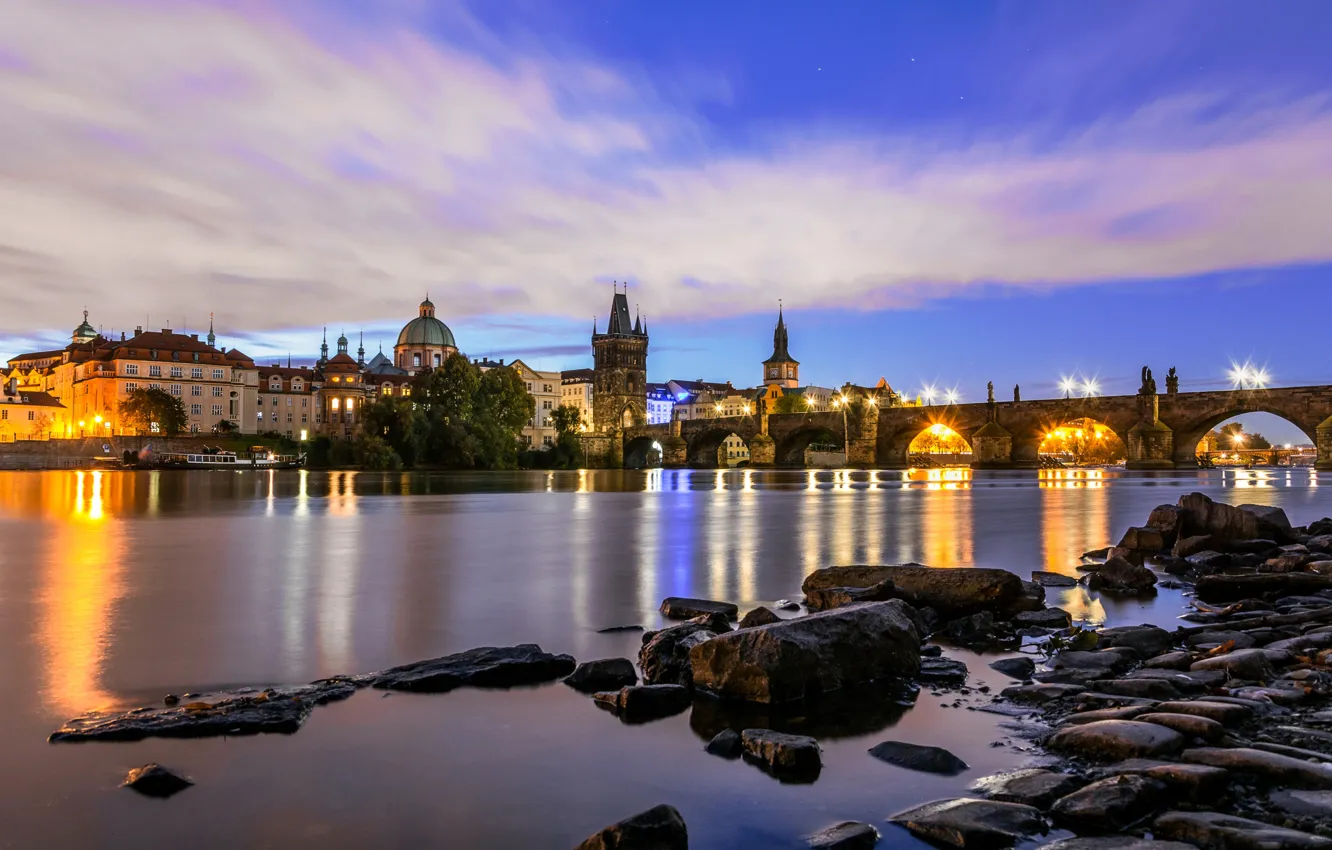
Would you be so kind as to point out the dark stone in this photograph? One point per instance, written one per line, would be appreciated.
(1152, 689)
(1187, 546)
(1143, 539)
(952, 593)
(1209, 561)
(760, 616)
(931, 651)
(1115, 740)
(684, 608)
(1194, 782)
(1217, 637)
(659, 828)
(279, 710)
(1227, 832)
(726, 744)
(1234, 588)
(1110, 805)
(1124, 712)
(1316, 804)
(1020, 668)
(664, 658)
(1048, 579)
(788, 757)
(1252, 664)
(917, 757)
(1170, 661)
(1030, 787)
(153, 780)
(1039, 694)
(1112, 660)
(170, 700)
(806, 656)
(613, 629)
(1046, 618)
(1186, 724)
(942, 671)
(483, 667)
(1186, 683)
(828, 598)
(1117, 842)
(978, 630)
(1271, 767)
(644, 703)
(1166, 519)
(1225, 713)
(850, 835)
(965, 823)
(606, 674)
(1145, 640)
(1229, 522)
(786, 605)
(1118, 574)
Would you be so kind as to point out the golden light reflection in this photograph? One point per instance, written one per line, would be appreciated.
(946, 525)
(1073, 521)
(949, 478)
(1065, 479)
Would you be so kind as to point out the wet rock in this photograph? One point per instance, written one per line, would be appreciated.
(1186, 547)
(1046, 618)
(917, 757)
(793, 757)
(1252, 664)
(1048, 579)
(828, 598)
(809, 655)
(664, 657)
(1235, 588)
(610, 630)
(1187, 724)
(1167, 520)
(1127, 712)
(1143, 539)
(977, 630)
(1224, 713)
(1039, 694)
(1272, 767)
(1020, 668)
(966, 823)
(1109, 805)
(170, 700)
(786, 605)
(1316, 804)
(1030, 787)
(1069, 676)
(483, 667)
(643, 703)
(153, 780)
(606, 674)
(850, 835)
(1194, 782)
(932, 651)
(684, 608)
(952, 593)
(942, 671)
(1150, 689)
(1208, 561)
(1118, 574)
(1229, 522)
(1145, 640)
(1108, 660)
(659, 828)
(1115, 740)
(725, 744)
(1217, 831)
(1116, 842)
(760, 616)
(1218, 637)
(275, 710)
(1189, 683)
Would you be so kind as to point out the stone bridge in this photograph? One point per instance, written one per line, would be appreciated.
(1159, 431)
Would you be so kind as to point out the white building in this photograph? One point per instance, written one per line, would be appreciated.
(660, 403)
(576, 392)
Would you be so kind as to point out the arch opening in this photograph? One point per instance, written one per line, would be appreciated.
(1081, 442)
(718, 448)
(939, 446)
(1252, 440)
(643, 453)
(812, 446)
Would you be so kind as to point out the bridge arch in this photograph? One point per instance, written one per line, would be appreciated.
(791, 446)
(940, 445)
(1187, 438)
(704, 445)
(894, 444)
(1082, 439)
(643, 452)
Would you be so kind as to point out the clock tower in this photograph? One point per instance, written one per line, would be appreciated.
(781, 368)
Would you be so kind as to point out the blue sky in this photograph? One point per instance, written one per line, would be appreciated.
(950, 193)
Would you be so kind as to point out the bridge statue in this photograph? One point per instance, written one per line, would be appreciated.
(989, 388)
(1172, 382)
(1017, 393)
(1148, 382)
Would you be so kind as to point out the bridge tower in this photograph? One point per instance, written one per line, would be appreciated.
(781, 368)
(619, 379)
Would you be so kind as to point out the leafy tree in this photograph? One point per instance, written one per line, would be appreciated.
(791, 403)
(398, 422)
(373, 452)
(225, 426)
(503, 407)
(567, 453)
(145, 408)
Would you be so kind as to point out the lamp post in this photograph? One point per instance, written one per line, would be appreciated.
(841, 403)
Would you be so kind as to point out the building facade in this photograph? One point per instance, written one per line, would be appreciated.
(660, 403)
(288, 401)
(30, 414)
(619, 382)
(576, 392)
(781, 368)
(545, 389)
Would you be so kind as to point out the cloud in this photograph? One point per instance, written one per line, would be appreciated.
(291, 170)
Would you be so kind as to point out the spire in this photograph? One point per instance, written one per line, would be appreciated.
(288, 359)
(780, 340)
(342, 343)
(212, 339)
(323, 349)
(360, 351)
(638, 322)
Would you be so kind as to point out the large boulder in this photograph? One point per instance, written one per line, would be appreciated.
(1115, 740)
(1143, 540)
(1231, 522)
(760, 616)
(643, 703)
(664, 657)
(802, 657)
(604, 674)
(1119, 574)
(1166, 520)
(966, 823)
(684, 608)
(792, 757)
(659, 828)
(951, 592)
(1227, 832)
(483, 667)
(1110, 805)
(828, 598)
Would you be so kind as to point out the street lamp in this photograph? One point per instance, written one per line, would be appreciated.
(929, 392)
(951, 396)
(1067, 385)
(841, 403)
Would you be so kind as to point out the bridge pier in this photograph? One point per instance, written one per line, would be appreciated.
(1151, 446)
(991, 447)
(762, 451)
(674, 452)
(1323, 444)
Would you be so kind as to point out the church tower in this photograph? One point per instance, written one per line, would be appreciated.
(619, 373)
(781, 368)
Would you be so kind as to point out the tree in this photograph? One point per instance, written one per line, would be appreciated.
(791, 403)
(154, 411)
(567, 451)
(503, 407)
(225, 427)
(373, 452)
(471, 419)
(398, 422)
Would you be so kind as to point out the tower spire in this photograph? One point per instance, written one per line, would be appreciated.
(212, 340)
(360, 351)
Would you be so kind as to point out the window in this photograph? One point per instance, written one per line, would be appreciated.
(177, 390)
(288, 417)
(275, 386)
(273, 417)
(154, 371)
(4, 414)
(177, 372)
(288, 401)
(304, 418)
(154, 386)
(336, 379)
(261, 416)
(32, 414)
(416, 360)
(335, 404)
(217, 392)
(196, 410)
(219, 374)
(545, 405)
(296, 385)
(131, 368)
(305, 402)
(130, 386)
(261, 401)
(154, 427)
(349, 403)
(196, 390)
(196, 372)
(217, 410)
(436, 359)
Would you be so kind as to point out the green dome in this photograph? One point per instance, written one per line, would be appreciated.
(425, 329)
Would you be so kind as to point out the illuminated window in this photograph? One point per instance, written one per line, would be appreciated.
(349, 404)
(335, 404)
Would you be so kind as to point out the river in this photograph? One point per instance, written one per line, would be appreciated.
(119, 587)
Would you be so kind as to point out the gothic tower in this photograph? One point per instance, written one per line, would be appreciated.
(781, 368)
(619, 373)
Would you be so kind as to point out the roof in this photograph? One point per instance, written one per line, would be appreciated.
(31, 398)
(237, 356)
(426, 330)
(286, 373)
(579, 376)
(619, 323)
(703, 386)
(780, 341)
(342, 360)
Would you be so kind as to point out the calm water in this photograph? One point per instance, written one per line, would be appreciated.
(117, 588)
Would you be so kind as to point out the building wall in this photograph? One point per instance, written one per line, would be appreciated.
(578, 394)
(22, 421)
(546, 389)
(733, 451)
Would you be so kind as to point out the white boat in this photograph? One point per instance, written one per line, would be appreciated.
(257, 458)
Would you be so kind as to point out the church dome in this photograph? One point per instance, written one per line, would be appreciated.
(85, 331)
(425, 329)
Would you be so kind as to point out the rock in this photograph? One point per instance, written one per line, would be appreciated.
(1208, 561)
(659, 828)
(642, 703)
(942, 671)
(760, 616)
(917, 757)
(1148, 689)
(614, 629)
(1270, 515)
(851, 835)
(1224, 713)
(1218, 637)
(1234, 588)
(664, 657)
(1039, 694)
(1272, 767)
(1030, 787)
(1127, 712)
(153, 780)
(483, 667)
(976, 630)
(952, 593)
(170, 700)
(1048, 579)
(606, 674)
(1117, 842)
(1234, 523)
(684, 608)
(966, 823)
(1143, 540)
(1046, 618)
(1196, 782)
(1146, 640)
(809, 655)
(1020, 668)
(1109, 805)
(1165, 519)
(786, 605)
(1095, 699)
(1188, 546)
(231, 713)
(1115, 740)
(1217, 831)
(1187, 724)
(1118, 574)
(794, 757)
(1170, 661)
(828, 598)
(726, 744)
(1252, 664)
(1069, 676)
(1316, 804)
(1109, 660)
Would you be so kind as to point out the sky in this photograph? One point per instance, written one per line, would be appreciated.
(946, 193)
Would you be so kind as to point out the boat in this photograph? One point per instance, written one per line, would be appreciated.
(258, 457)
